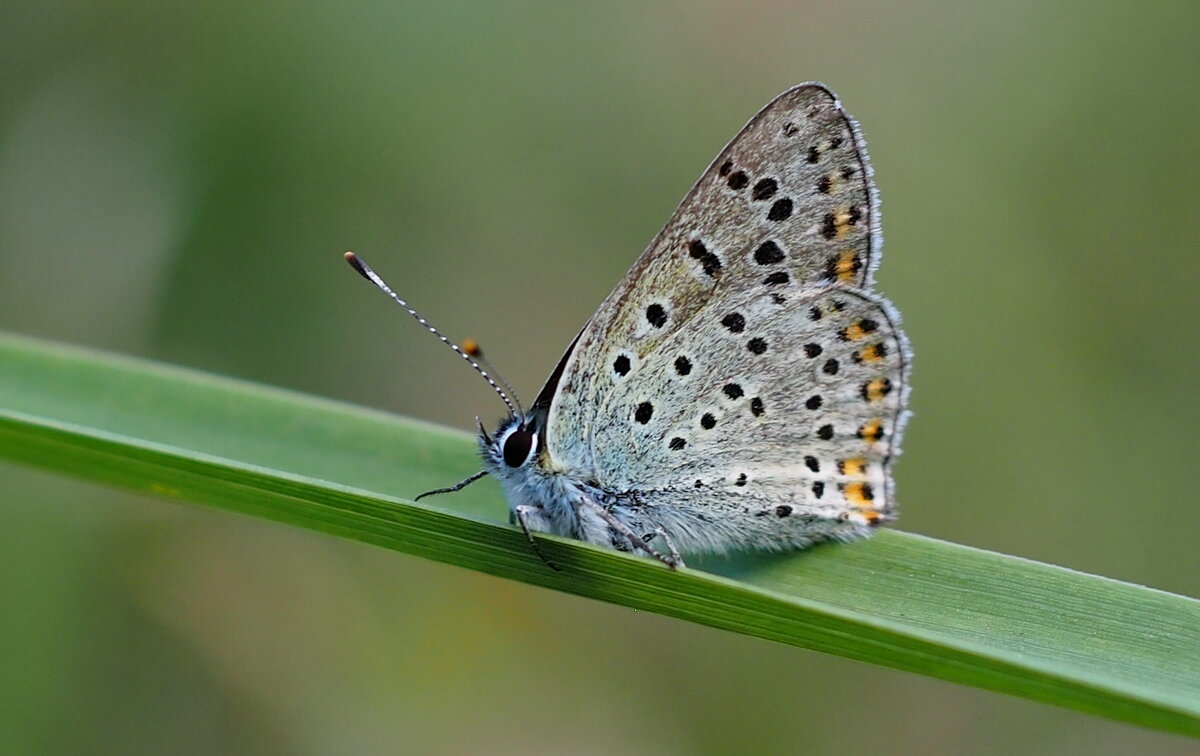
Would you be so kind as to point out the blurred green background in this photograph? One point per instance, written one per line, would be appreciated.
(178, 180)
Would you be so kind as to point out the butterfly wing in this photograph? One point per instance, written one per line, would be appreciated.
(781, 432)
(782, 225)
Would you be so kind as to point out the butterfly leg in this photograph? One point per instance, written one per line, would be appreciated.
(674, 556)
(673, 561)
(520, 511)
(456, 487)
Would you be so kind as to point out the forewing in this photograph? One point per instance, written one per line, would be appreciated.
(786, 210)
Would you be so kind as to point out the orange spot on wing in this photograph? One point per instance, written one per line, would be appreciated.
(848, 265)
(860, 495)
(871, 354)
(872, 431)
(854, 467)
(844, 219)
(877, 389)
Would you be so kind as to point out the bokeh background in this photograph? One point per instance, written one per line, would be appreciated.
(178, 180)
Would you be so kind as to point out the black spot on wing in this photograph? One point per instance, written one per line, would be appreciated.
(764, 189)
(781, 210)
(768, 253)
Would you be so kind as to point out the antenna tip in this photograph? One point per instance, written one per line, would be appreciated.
(471, 347)
(357, 264)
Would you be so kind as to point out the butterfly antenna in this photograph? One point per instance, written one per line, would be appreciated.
(472, 348)
(365, 271)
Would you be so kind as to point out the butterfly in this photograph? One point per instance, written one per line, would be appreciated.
(742, 387)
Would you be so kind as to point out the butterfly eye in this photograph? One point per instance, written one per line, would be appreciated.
(518, 447)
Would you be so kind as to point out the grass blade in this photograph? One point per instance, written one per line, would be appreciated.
(900, 600)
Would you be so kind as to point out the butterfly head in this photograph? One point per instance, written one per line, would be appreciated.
(515, 445)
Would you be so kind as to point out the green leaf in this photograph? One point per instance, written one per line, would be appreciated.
(900, 600)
